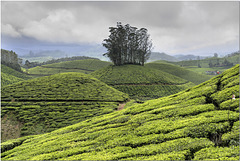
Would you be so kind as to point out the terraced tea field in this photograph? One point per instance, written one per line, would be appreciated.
(200, 123)
(9, 76)
(83, 66)
(181, 72)
(141, 82)
(48, 103)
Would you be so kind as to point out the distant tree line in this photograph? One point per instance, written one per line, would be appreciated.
(218, 64)
(10, 59)
(128, 45)
(29, 64)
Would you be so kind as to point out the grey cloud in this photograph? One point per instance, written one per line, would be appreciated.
(174, 26)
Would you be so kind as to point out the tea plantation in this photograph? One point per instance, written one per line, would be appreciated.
(83, 66)
(200, 123)
(48, 103)
(141, 82)
(9, 76)
(181, 72)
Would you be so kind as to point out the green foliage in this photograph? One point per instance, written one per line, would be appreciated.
(64, 86)
(10, 59)
(141, 82)
(83, 66)
(134, 74)
(7, 79)
(9, 76)
(180, 72)
(180, 155)
(128, 45)
(7, 145)
(234, 59)
(218, 153)
(48, 103)
(188, 125)
(232, 137)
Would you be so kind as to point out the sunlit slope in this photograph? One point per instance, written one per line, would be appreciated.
(180, 72)
(141, 82)
(9, 76)
(48, 103)
(197, 124)
(83, 66)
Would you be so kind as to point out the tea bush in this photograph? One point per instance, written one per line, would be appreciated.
(141, 82)
(83, 66)
(181, 72)
(10, 76)
(188, 125)
(48, 103)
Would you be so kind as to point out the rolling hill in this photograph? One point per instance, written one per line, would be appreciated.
(181, 72)
(83, 66)
(200, 123)
(141, 82)
(47, 103)
(232, 60)
(161, 56)
(9, 76)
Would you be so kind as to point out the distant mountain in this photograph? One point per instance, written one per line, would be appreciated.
(188, 57)
(161, 56)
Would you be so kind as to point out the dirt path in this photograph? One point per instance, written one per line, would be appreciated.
(121, 106)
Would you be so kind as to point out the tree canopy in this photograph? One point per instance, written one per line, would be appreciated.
(128, 45)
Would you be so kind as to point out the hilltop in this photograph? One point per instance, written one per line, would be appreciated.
(141, 82)
(47, 103)
(200, 123)
(83, 66)
(181, 72)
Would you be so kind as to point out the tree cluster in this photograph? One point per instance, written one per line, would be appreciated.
(128, 45)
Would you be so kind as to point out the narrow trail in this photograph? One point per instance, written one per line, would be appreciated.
(121, 106)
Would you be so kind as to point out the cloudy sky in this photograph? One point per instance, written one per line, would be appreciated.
(200, 28)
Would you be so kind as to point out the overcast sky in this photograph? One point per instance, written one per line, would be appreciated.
(175, 27)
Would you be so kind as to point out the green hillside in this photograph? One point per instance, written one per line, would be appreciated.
(181, 72)
(141, 82)
(232, 59)
(205, 62)
(48, 103)
(83, 66)
(201, 123)
(9, 76)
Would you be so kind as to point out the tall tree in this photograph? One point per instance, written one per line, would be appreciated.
(128, 45)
